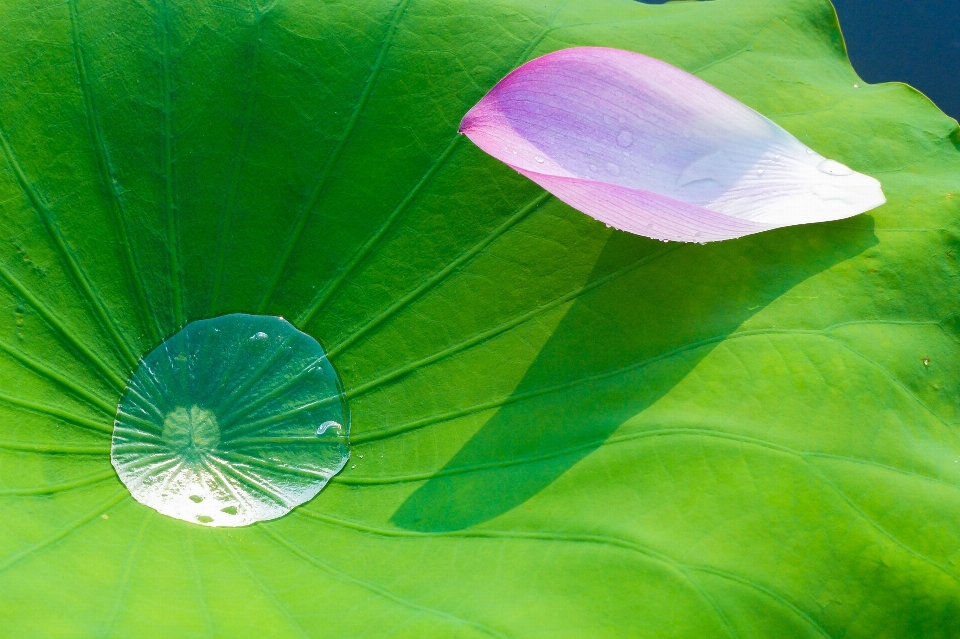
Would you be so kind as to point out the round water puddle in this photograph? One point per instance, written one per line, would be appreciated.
(231, 421)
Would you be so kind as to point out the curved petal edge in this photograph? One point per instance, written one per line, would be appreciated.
(648, 148)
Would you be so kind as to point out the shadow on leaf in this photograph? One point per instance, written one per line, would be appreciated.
(617, 351)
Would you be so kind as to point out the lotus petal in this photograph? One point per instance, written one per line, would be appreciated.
(651, 149)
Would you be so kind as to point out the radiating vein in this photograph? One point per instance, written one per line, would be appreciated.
(321, 181)
(242, 564)
(58, 488)
(506, 326)
(386, 594)
(61, 380)
(229, 211)
(198, 584)
(73, 268)
(383, 433)
(110, 182)
(361, 254)
(646, 552)
(440, 276)
(53, 449)
(41, 545)
(68, 417)
(97, 364)
(880, 529)
(124, 581)
(167, 168)
(606, 541)
(287, 384)
(657, 433)
(333, 285)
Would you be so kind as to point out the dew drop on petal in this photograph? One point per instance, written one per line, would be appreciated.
(832, 167)
(625, 139)
(613, 169)
(538, 159)
(223, 424)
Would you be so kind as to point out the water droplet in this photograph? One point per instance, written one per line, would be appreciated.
(621, 120)
(593, 167)
(105, 516)
(926, 361)
(325, 426)
(606, 225)
(538, 159)
(612, 168)
(856, 86)
(514, 152)
(353, 466)
(760, 171)
(776, 157)
(832, 167)
(212, 415)
(809, 151)
(625, 139)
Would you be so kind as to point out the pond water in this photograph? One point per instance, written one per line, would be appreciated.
(912, 41)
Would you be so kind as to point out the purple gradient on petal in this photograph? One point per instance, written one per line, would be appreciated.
(648, 148)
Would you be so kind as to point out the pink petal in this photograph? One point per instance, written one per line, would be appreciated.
(650, 149)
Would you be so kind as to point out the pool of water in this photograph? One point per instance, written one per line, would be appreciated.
(912, 41)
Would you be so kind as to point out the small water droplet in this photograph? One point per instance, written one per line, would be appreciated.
(325, 426)
(856, 86)
(607, 119)
(776, 157)
(621, 120)
(514, 152)
(606, 225)
(105, 516)
(538, 159)
(832, 167)
(353, 466)
(258, 336)
(760, 171)
(926, 361)
(612, 168)
(593, 167)
(809, 151)
(361, 456)
(625, 139)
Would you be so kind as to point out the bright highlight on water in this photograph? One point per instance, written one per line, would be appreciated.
(231, 421)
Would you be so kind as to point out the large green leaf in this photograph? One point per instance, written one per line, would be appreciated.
(558, 429)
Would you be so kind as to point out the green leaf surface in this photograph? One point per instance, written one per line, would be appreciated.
(559, 430)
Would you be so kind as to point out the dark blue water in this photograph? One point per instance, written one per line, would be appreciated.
(912, 41)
